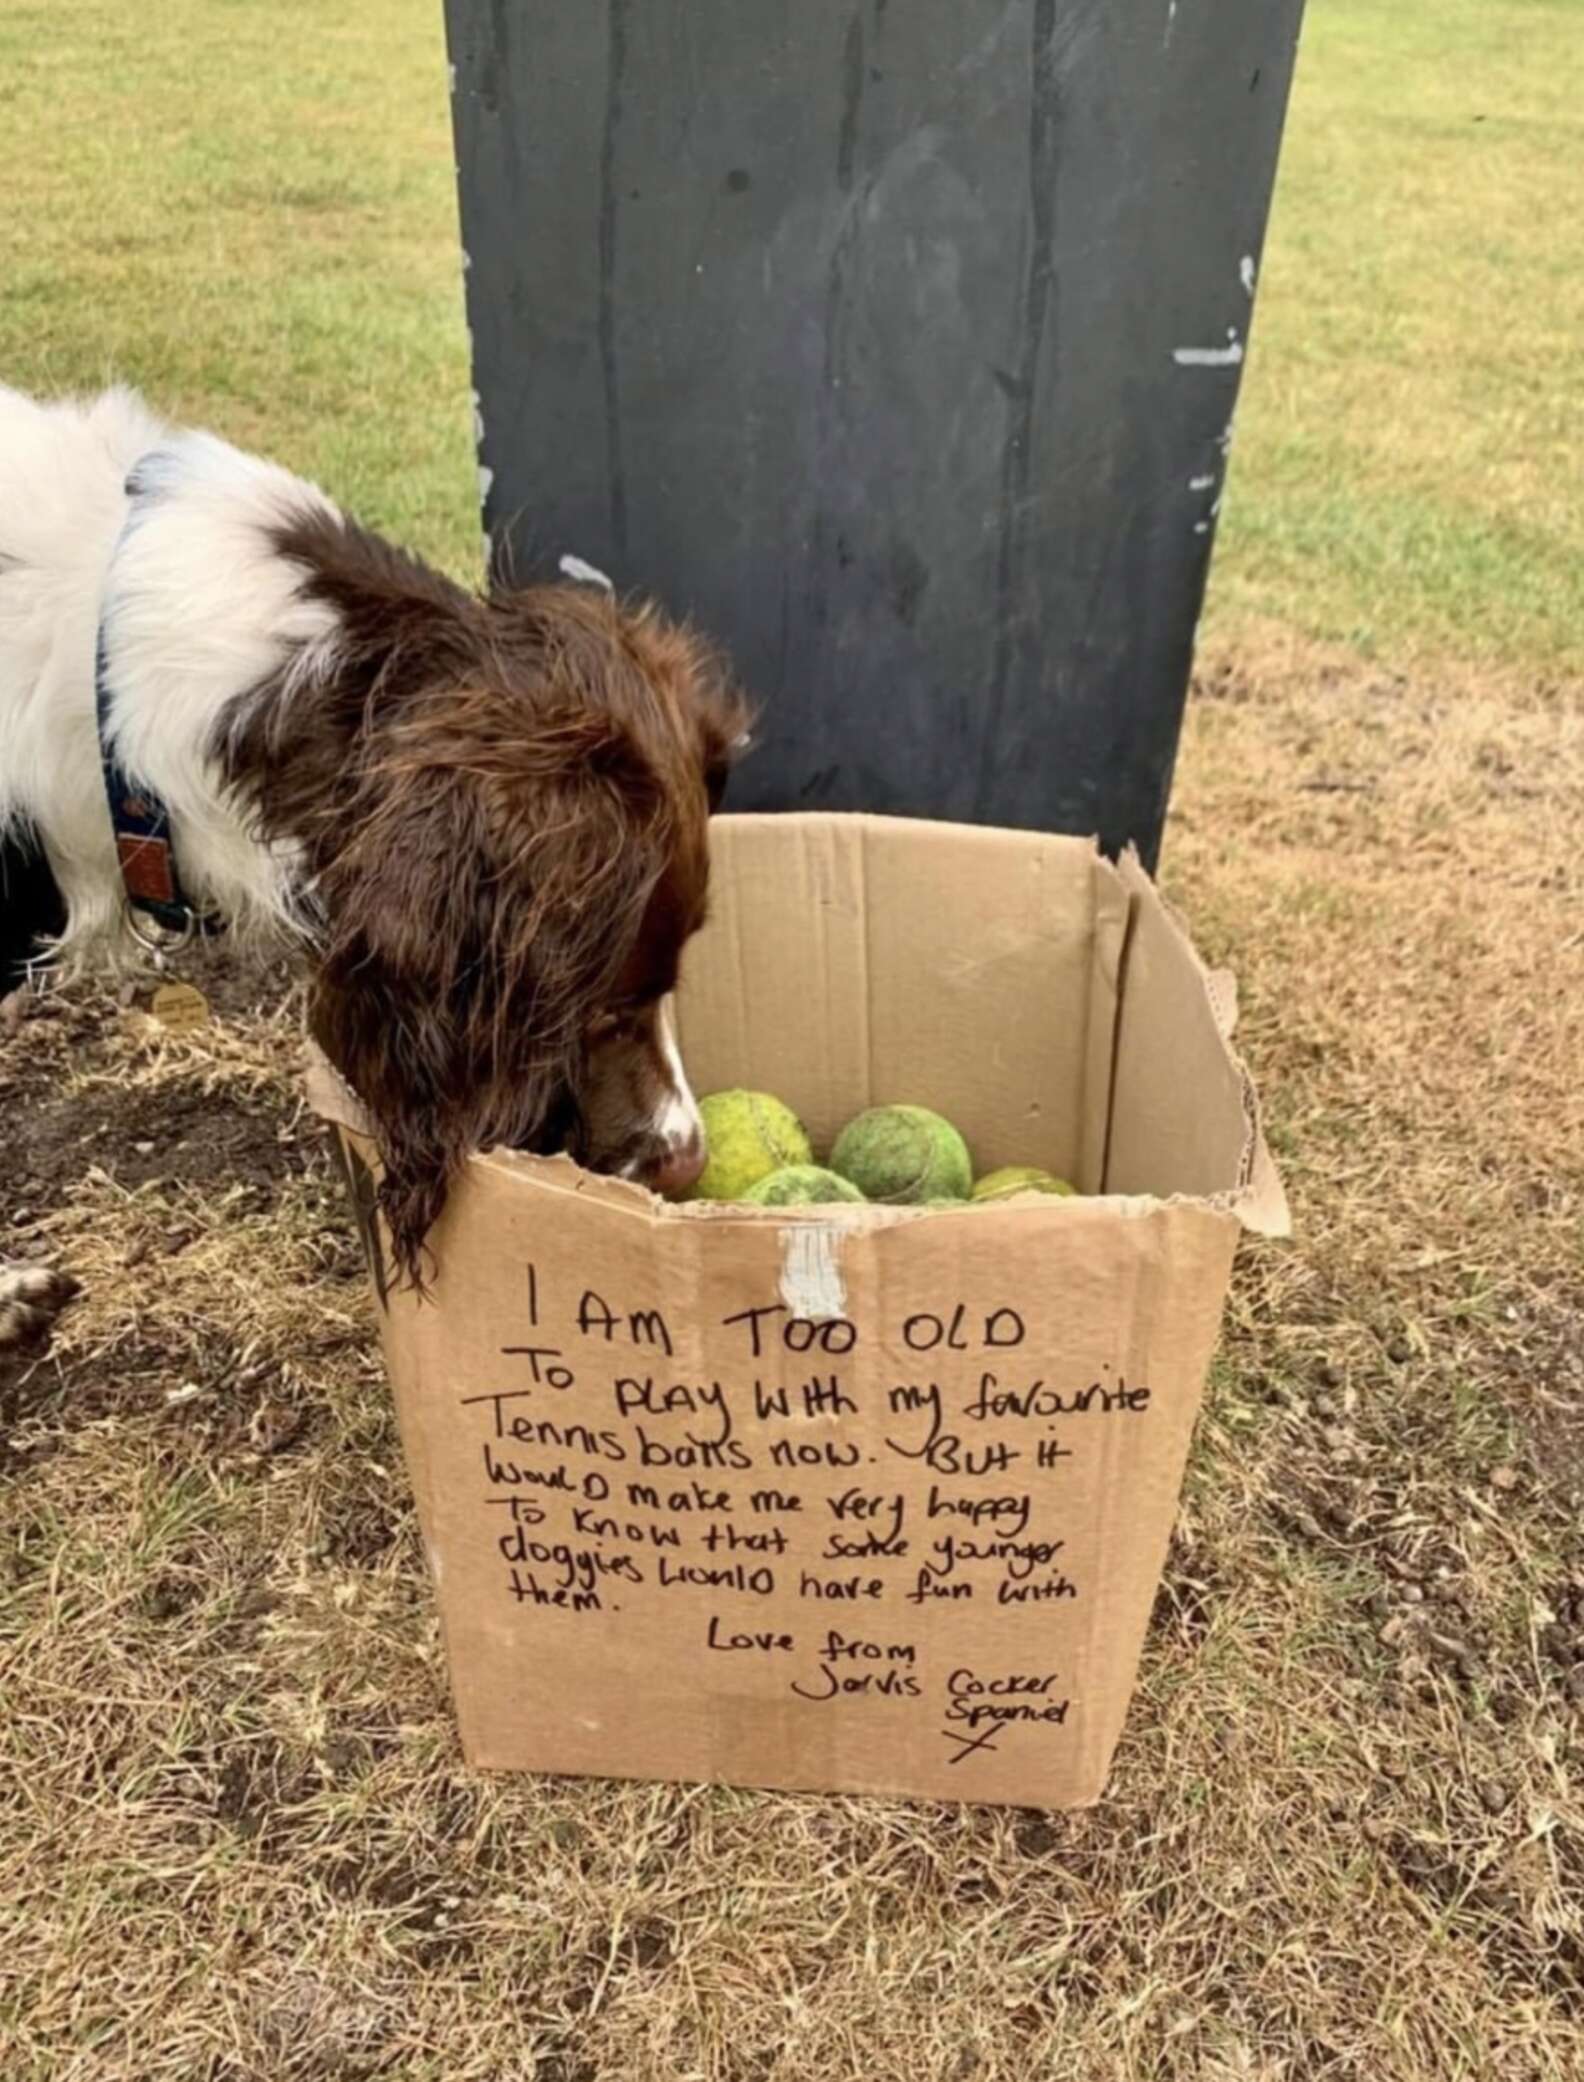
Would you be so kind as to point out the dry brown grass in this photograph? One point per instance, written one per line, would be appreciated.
(1345, 1837)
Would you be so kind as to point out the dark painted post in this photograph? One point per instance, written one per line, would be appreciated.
(899, 344)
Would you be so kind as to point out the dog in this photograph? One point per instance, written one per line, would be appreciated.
(481, 818)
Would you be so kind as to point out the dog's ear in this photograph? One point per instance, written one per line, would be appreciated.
(479, 798)
(483, 902)
(296, 745)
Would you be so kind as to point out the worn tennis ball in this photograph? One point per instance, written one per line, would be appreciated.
(903, 1154)
(799, 1185)
(1018, 1178)
(748, 1135)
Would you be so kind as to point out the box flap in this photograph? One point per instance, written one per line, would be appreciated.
(1185, 1119)
(851, 961)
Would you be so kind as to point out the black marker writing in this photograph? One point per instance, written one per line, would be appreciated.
(595, 1525)
(837, 1588)
(797, 1334)
(644, 1326)
(693, 1452)
(759, 1582)
(697, 1496)
(808, 1453)
(943, 1451)
(1038, 1399)
(539, 1359)
(650, 1398)
(923, 1333)
(870, 1526)
(721, 1636)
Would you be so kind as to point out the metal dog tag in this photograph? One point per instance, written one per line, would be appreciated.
(181, 1008)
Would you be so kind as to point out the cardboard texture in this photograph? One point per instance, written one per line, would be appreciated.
(858, 1498)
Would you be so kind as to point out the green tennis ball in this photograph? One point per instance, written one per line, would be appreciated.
(799, 1185)
(748, 1135)
(903, 1154)
(1018, 1178)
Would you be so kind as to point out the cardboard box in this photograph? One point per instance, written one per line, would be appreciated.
(855, 1498)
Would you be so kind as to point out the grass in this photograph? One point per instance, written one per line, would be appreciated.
(1345, 1838)
(1404, 473)
(248, 208)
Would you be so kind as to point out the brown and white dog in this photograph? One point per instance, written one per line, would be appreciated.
(482, 819)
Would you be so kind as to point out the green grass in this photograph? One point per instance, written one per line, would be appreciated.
(247, 206)
(1406, 470)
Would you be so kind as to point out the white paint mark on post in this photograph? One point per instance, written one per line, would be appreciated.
(486, 479)
(1200, 484)
(1226, 357)
(811, 1277)
(584, 574)
(1247, 274)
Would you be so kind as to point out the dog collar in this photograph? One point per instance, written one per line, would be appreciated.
(141, 823)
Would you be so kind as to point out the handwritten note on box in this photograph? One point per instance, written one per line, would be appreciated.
(850, 1498)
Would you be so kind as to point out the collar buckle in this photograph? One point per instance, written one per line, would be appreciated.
(165, 939)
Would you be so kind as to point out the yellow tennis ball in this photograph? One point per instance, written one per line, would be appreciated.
(800, 1185)
(1018, 1178)
(903, 1154)
(748, 1135)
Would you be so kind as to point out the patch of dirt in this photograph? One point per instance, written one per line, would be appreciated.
(1561, 1640)
(362, 1531)
(1545, 1362)
(196, 1131)
(78, 1100)
(177, 1134)
(257, 1788)
(1191, 1590)
(225, 1409)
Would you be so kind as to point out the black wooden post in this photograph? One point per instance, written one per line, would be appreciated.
(898, 341)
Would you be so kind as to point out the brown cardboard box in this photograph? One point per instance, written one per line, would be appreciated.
(852, 1498)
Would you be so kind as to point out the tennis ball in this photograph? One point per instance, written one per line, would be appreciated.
(903, 1154)
(799, 1185)
(1018, 1178)
(748, 1135)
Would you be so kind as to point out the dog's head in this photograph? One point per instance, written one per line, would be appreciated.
(502, 808)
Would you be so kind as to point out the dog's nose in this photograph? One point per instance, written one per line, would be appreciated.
(679, 1165)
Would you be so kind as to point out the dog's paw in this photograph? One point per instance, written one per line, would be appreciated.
(31, 1297)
